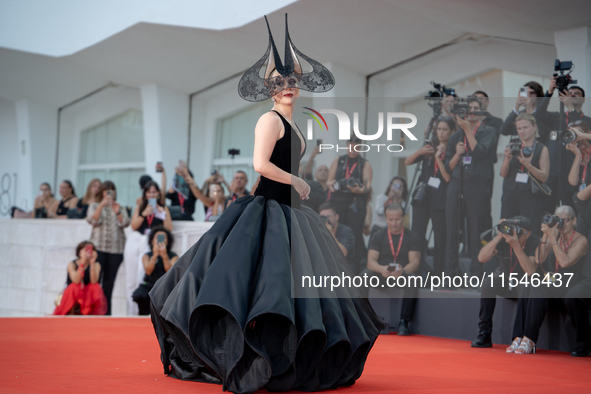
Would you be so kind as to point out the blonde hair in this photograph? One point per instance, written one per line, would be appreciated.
(526, 116)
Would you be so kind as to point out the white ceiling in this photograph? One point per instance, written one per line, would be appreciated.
(364, 36)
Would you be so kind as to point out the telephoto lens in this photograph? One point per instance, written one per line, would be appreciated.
(567, 137)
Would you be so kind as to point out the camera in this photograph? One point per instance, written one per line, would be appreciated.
(345, 183)
(553, 220)
(515, 146)
(509, 226)
(567, 137)
(462, 108)
(563, 79)
(527, 151)
(440, 91)
(393, 266)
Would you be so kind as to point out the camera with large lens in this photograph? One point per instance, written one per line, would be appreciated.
(509, 226)
(440, 91)
(567, 137)
(515, 146)
(553, 220)
(461, 108)
(343, 184)
(563, 79)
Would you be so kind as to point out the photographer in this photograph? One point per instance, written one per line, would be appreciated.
(238, 187)
(561, 251)
(393, 252)
(84, 295)
(579, 175)
(156, 263)
(470, 161)
(524, 158)
(108, 220)
(342, 234)
(182, 200)
(513, 247)
(433, 180)
(349, 181)
(395, 193)
(573, 99)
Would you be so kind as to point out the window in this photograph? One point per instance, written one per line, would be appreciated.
(237, 132)
(114, 150)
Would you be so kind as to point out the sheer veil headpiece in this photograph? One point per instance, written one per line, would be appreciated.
(256, 87)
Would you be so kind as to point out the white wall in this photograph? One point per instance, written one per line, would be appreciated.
(35, 255)
(9, 160)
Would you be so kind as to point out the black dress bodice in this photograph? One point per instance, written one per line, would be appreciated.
(286, 155)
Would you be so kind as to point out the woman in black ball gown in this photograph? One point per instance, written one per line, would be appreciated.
(230, 310)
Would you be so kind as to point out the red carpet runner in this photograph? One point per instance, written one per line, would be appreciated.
(121, 355)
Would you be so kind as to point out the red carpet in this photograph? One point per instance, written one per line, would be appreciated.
(121, 355)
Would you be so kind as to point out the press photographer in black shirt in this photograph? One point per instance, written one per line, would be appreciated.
(393, 252)
(470, 160)
(513, 247)
(349, 180)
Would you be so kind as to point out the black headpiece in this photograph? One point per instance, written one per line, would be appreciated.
(253, 87)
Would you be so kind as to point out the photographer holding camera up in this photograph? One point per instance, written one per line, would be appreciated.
(349, 180)
(526, 161)
(514, 248)
(561, 253)
(470, 161)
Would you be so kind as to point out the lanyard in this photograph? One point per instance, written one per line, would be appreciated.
(556, 266)
(181, 201)
(392, 244)
(580, 117)
(348, 172)
(150, 218)
(466, 143)
(437, 164)
(511, 265)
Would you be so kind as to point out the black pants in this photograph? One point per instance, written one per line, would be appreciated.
(523, 202)
(110, 263)
(488, 302)
(409, 300)
(421, 214)
(142, 299)
(352, 213)
(541, 298)
(477, 211)
(578, 302)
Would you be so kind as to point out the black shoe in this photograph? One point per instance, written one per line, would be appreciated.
(403, 328)
(482, 340)
(581, 352)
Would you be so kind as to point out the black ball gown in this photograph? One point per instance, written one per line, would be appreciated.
(227, 311)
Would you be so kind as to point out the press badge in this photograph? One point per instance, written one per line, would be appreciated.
(583, 185)
(521, 177)
(467, 160)
(553, 135)
(434, 182)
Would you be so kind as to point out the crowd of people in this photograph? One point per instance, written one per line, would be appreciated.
(146, 251)
(545, 179)
(453, 191)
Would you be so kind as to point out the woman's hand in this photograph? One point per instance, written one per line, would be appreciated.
(440, 150)
(508, 154)
(574, 148)
(149, 210)
(301, 187)
(520, 102)
(551, 232)
(525, 161)
(108, 200)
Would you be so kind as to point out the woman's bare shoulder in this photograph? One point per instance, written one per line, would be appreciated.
(270, 122)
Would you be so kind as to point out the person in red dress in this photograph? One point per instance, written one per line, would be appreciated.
(84, 295)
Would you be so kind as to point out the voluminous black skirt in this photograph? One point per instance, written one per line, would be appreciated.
(230, 312)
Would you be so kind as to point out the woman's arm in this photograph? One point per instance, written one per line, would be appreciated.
(506, 164)
(332, 173)
(268, 131)
(74, 274)
(540, 174)
(573, 175)
(150, 262)
(168, 220)
(577, 250)
(136, 219)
